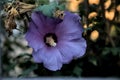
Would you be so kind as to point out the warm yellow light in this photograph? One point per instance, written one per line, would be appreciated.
(96, 2)
(94, 35)
(85, 26)
(73, 5)
(92, 15)
(107, 4)
(110, 14)
(118, 8)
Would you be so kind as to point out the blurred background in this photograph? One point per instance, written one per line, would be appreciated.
(101, 23)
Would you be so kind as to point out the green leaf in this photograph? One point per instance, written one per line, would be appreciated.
(62, 6)
(22, 55)
(93, 60)
(105, 51)
(115, 51)
(10, 66)
(27, 71)
(47, 9)
(41, 2)
(77, 71)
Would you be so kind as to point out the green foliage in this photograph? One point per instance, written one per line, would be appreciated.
(102, 58)
(26, 72)
(114, 51)
(61, 6)
(77, 71)
(41, 2)
(93, 60)
(47, 9)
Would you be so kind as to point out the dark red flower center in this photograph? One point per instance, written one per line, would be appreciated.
(50, 39)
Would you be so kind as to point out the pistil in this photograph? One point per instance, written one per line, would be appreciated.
(50, 41)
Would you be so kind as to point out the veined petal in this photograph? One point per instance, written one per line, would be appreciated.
(36, 57)
(38, 20)
(69, 26)
(51, 58)
(72, 49)
(43, 23)
(34, 38)
(70, 37)
(70, 43)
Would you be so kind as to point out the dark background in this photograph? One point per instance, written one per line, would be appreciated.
(102, 58)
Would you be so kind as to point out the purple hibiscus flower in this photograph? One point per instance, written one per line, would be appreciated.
(54, 41)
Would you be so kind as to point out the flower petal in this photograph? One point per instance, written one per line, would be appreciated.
(69, 35)
(35, 40)
(36, 57)
(72, 49)
(38, 20)
(51, 58)
(43, 23)
(69, 26)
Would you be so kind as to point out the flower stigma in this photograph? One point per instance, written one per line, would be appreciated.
(50, 39)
